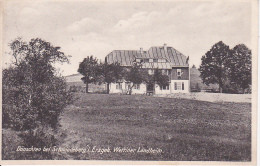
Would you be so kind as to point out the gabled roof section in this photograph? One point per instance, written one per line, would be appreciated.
(126, 57)
(173, 56)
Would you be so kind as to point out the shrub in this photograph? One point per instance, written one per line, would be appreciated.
(34, 95)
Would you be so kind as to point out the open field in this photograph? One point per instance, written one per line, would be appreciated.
(212, 97)
(183, 129)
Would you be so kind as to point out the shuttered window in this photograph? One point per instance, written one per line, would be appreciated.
(179, 85)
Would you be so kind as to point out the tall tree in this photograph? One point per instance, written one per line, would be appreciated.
(213, 65)
(160, 79)
(89, 69)
(110, 73)
(34, 95)
(136, 75)
(241, 66)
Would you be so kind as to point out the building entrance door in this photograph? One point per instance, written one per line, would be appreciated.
(150, 88)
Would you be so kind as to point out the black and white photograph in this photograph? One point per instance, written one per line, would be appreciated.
(131, 81)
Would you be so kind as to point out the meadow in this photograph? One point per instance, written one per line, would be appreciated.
(181, 129)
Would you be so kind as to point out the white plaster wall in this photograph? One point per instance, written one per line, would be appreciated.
(142, 89)
(159, 91)
(186, 86)
(113, 89)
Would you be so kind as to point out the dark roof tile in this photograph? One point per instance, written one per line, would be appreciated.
(126, 57)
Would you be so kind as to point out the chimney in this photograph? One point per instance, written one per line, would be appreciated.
(165, 49)
(165, 46)
(141, 50)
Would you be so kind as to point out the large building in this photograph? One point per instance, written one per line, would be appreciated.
(165, 58)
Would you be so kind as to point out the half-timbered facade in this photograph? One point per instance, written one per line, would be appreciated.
(169, 60)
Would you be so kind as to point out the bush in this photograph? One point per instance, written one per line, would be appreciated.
(34, 95)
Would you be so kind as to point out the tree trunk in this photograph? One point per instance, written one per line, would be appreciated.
(220, 85)
(220, 89)
(86, 87)
(107, 88)
(130, 89)
(154, 88)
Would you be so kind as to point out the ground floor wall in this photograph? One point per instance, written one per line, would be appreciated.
(180, 86)
(175, 86)
(124, 87)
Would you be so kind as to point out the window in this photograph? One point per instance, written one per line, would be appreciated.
(163, 71)
(168, 72)
(127, 85)
(164, 87)
(138, 60)
(182, 85)
(137, 86)
(150, 60)
(178, 86)
(161, 60)
(155, 60)
(178, 72)
(150, 71)
(118, 85)
(146, 60)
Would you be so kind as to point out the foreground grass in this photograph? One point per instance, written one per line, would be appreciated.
(184, 129)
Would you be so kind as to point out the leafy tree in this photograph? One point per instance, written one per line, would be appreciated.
(34, 95)
(241, 66)
(136, 75)
(213, 67)
(160, 79)
(110, 73)
(89, 69)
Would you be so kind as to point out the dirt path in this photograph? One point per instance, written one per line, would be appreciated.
(212, 97)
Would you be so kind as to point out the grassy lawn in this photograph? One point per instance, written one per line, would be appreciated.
(183, 129)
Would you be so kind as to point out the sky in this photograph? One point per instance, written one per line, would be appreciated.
(84, 28)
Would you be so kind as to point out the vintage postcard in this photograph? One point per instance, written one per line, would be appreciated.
(129, 82)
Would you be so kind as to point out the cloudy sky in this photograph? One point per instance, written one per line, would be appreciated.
(86, 28)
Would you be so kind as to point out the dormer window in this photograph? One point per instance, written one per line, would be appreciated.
(146, 60)
(161, 60)
(139, 60)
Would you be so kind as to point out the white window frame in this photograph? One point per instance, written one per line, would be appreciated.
(179, 72)
(164, 60)
(168, 72)
(119, 85)
(179, 86)
(167, 87)
(137, 86)
(138, 60)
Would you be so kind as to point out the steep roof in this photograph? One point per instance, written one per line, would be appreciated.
(173, 57)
